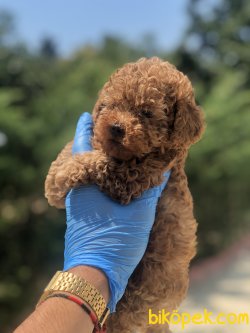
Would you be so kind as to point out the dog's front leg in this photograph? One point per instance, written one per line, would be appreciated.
(77, 169)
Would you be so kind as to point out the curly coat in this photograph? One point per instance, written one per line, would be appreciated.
(145, 119)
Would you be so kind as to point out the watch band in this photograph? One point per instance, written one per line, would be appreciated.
(73, 284)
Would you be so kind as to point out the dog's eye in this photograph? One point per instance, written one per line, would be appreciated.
(147, 114)
(101, 106)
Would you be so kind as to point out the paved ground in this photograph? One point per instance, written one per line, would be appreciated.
(220, 284)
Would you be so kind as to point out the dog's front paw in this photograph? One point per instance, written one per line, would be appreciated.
(70, 175)
(56, 200)
(53, 193)
(61, 178)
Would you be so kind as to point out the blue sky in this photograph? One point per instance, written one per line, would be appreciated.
(76, 22)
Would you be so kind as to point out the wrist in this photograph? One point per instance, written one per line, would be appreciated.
(90, 296)
(94, 276)
(68, 314)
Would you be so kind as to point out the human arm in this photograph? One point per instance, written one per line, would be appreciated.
(63, 316)
(102, 236)
(101, 232)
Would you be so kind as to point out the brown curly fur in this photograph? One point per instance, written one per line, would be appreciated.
(152, 107)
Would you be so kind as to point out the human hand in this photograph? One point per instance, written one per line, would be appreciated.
(101, 232)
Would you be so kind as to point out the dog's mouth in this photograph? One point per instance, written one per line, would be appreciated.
(117, 150)
(115, 142)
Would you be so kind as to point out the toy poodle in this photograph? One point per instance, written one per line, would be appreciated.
(145, 120)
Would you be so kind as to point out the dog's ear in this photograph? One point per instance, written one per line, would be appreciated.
(187, 122)
(97, 109)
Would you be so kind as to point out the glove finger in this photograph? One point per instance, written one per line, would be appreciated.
(83, 135)
(164, 183)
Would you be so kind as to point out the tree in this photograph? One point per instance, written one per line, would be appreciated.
(25, 221)
(6, 27)
(222, 34)
(217, 40)
(218, 165)
(41, 99)
(215, 53)
(48, 48)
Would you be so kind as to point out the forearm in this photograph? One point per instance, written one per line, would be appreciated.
(63, 316)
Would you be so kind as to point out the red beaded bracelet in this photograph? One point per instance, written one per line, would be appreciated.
(92, 315)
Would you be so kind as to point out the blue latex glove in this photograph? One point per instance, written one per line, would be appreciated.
(101, 232)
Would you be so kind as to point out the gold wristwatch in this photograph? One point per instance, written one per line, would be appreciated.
(73, 284)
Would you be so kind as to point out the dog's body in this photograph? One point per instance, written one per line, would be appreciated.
(145, 119)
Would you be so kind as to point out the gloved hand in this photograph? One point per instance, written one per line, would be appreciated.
(101, 232)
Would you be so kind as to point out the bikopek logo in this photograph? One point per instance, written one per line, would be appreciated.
(185, 318)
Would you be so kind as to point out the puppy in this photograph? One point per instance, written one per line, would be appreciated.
(145, 120)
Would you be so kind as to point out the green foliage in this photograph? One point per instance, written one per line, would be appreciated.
(219, 165)
(215, 53)
(41, 98)
(26, 224)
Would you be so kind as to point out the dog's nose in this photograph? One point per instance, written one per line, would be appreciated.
(117, 131)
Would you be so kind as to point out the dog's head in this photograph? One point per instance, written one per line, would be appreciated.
(146, 107)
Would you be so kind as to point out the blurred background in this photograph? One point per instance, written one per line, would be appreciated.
(54, 58)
